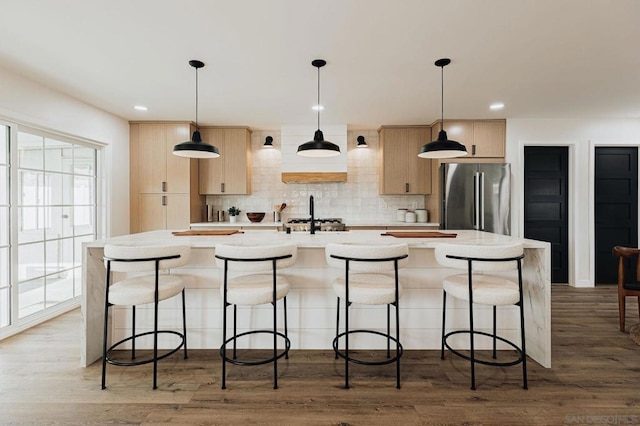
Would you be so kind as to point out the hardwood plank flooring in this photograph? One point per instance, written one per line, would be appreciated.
(594, 380)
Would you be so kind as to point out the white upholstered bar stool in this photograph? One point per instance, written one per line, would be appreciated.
(260, 284)
(478, 286)
(149, 285)
(370, 278)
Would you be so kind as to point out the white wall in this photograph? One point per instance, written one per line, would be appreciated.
(582, 136)
(27, 102)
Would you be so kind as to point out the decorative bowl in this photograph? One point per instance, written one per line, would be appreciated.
(255, 217)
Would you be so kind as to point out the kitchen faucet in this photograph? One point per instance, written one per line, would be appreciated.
(312, 225)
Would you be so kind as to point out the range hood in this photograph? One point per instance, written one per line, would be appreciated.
(297, 169)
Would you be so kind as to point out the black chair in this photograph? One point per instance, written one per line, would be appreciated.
(367, 280)
(628, 278)
(254, 288)
(143, 289)
(482, 288)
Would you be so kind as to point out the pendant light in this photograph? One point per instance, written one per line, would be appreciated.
(443, 147)
(268, 142)
(318, 147)
(196, 148)
(362, 143)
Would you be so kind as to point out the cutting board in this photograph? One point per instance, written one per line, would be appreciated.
(208, 232)
(419, 234)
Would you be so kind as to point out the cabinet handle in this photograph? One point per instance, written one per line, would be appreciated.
(164, 186)
(222, 187)
(406, 187)
(164, 200)
(473, 149)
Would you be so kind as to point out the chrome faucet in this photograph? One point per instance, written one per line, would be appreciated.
(312, 225)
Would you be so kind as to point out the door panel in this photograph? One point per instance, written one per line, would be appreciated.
(616, 207)
(546, 201)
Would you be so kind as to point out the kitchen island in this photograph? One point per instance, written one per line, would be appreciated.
(312, 302)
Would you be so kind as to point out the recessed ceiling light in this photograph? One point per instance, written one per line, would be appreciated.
(317, 107)
(141, 108)
(497, 105)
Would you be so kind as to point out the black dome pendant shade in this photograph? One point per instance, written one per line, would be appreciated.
(318, 147)
(442, 147)
(196, 148)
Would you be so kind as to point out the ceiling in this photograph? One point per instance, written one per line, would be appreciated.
(541, 58)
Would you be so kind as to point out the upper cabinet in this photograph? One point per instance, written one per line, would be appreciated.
(400, 169)
(482, 138)
(161, 184)
(231, 172)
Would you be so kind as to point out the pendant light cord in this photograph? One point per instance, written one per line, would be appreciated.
(196, 98)
(442, 97)
(318, 106)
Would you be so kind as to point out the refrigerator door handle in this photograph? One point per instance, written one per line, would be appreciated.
(481, 194)
(476, 201)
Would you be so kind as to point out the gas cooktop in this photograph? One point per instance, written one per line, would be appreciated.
(322, 224)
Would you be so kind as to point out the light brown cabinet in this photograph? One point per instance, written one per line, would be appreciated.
(231, 172)
(401, 171)
(163, 186)
(482, 138)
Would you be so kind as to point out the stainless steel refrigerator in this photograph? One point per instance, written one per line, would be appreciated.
(476, 196)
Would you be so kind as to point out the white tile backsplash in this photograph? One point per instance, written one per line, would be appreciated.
(355, 200)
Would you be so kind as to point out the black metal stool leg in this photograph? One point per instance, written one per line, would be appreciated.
(275, 342)
(224, 345)
(397, 345)
(346, 342)
(471, 344)
(235, 330)
(286, 328)
(184, 324)
(389, 331)
(494, 333)
(155, 335)
(337, 323)
(133, 332)
(104, 336)
(444, 314)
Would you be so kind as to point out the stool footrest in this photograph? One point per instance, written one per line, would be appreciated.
(147, 360)
(258, 362)
(342, 355)
(519, 360)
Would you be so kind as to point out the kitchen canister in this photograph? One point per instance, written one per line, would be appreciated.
(422, 215)
(400, 215)
(410, 217)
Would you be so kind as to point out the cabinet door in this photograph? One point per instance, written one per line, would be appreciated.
(418, 169)
(229, 173)
(177, 175)
(211, 175)
(393, 154)
(459, 131)
(177, 211)
(151, 212)
(236, 164)
(489, 139)
(152, 158)
(402, 171)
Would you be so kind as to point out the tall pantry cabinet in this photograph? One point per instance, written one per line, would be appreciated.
(163, 186)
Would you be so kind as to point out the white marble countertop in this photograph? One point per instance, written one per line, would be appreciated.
(318, 240)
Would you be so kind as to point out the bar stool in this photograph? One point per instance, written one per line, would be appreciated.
(367, 281)
(477, 287)
(253, 289)
(143, 289)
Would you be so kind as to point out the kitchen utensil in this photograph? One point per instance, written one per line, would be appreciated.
(282, 206)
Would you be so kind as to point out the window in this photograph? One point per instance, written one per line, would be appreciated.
(48, 199)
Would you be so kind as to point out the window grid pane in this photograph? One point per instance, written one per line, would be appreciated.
(56, 213)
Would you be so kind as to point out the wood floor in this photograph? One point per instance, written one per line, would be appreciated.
(595, 379)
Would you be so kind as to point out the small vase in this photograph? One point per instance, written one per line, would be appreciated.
(232, 219)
